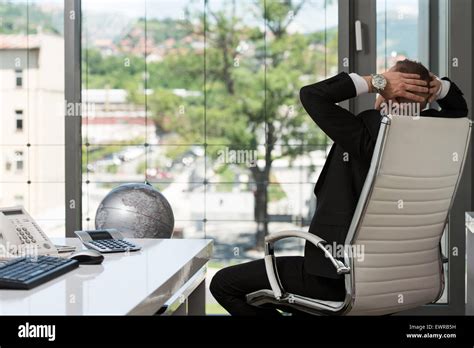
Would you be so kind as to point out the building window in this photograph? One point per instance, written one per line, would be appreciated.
(19, 161)
(19, 199)
(19, 120)
(19, 78)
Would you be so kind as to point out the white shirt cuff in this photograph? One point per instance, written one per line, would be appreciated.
(359, 83)
(444, 89)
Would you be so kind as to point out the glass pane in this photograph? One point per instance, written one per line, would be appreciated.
(302, 46)
(43, 201)
(175, 163)
(206, 94)
(32, 110)
(230, 202)
(235, 73)
(32, 164)
(14, 164)
(237, 165)
(443, 34)
(52, 173)
(114, 163)
(175, 71)
(402, 32)
(292, 203)
(237, 244)
(297, 164)
(113, 72)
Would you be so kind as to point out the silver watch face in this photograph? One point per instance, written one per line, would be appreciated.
(379, 82)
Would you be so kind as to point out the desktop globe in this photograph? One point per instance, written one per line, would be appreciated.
(137, 211)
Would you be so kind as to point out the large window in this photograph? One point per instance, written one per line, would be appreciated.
(200, 99)
(32, 110)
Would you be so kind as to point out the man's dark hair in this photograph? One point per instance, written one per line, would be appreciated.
(412, 67)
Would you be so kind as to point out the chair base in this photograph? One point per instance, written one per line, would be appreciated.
(301, 303)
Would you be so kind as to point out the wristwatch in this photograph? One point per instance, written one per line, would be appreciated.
(379, 82)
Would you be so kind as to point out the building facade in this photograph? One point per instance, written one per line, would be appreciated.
(32, 131)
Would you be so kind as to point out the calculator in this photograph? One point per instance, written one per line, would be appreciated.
(106, 241)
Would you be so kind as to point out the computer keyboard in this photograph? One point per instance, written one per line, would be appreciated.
(29, 272)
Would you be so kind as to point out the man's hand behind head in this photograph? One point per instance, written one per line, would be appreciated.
(405, 86)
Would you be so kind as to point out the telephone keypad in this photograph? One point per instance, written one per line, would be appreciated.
(24, 234)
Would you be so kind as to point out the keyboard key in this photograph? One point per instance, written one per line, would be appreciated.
(28, 272)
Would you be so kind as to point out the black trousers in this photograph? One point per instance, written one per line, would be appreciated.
(230, 285)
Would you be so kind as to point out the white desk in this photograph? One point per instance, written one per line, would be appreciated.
(166, 276)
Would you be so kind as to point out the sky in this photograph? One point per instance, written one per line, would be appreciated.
(312, 18)
(309, 18)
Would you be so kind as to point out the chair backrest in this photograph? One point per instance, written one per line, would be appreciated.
(402, 212)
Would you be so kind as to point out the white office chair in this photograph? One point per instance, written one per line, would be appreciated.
(397, 225)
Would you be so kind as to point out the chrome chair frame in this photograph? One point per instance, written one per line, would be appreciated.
(278, 296)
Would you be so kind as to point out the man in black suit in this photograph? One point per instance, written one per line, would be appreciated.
(342, 177)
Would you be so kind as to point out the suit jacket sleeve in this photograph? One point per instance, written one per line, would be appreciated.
(454, 104)
(344, 128)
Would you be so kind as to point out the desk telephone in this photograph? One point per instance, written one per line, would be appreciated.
(20, 234)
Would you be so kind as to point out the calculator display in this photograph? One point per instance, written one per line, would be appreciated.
(12, 212)
(97, 235)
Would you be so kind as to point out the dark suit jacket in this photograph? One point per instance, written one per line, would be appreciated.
(342, 177)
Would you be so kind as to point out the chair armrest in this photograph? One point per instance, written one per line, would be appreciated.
(444, 258)
(341, 268)
(270, 261)
(274, 237)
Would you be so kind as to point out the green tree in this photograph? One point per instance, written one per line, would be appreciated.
(252, 82)
(254, 99)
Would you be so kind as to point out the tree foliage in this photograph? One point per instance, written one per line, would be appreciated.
(248, 81)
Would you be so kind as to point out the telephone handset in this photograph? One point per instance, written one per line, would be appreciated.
(20, 235)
